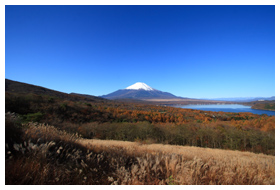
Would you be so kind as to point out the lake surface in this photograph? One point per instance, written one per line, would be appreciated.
(226, 108)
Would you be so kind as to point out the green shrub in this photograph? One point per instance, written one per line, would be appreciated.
(35, 117)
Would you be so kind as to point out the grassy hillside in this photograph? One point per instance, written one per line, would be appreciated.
(47, 155)
(15, 87)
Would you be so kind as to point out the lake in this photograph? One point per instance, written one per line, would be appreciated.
(226, 108)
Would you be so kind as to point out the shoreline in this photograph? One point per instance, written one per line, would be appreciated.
(251, 107)
(261, 109)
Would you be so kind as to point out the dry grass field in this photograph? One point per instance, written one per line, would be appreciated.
(189, 165)
(47, 155)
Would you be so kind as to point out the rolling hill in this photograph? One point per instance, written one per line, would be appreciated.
(24, 88)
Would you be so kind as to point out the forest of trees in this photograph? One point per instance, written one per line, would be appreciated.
(148, 123)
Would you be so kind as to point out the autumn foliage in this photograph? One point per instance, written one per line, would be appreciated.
(142, 122)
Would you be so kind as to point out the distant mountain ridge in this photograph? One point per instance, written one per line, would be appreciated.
(140, 91)
(243, 99)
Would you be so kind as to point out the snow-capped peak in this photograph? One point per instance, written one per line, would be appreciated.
(140, 85)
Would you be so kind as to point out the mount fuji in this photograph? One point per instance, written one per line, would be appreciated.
(140, 91)
(139, 86)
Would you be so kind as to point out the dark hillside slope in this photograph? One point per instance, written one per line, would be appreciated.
(24, 88)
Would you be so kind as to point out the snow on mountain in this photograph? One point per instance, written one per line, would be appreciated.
(140, 85)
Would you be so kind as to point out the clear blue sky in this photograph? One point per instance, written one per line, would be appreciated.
(190, 51)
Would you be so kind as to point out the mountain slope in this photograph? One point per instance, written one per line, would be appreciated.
(139, 91)
(138, 94)
(24, 88)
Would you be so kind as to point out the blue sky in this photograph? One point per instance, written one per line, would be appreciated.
(190, 51)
